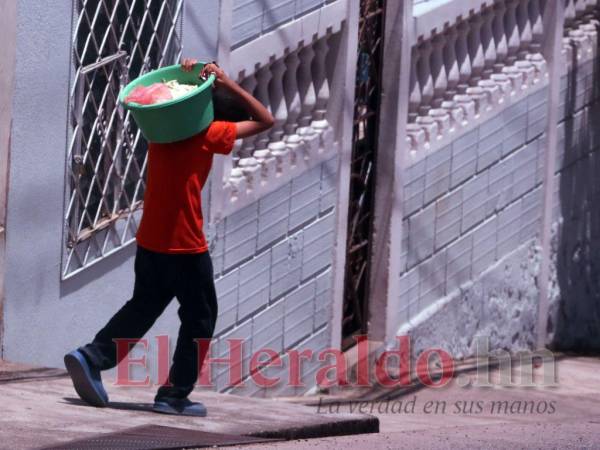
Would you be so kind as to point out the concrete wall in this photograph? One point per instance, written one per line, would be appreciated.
(471, 255)
(575, 264)
(272, 262)
(471, 209)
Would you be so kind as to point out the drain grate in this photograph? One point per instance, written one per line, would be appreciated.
(153, 437)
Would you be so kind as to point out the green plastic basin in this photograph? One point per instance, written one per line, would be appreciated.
(173, 120)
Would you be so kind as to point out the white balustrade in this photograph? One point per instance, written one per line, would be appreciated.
(451, 63)
(292, 95)
(503, 83)
(261, 160)
(263, 76)
(528, 72)
(296, 89)
(425, 76)
(443, 120)
(479, 63)
(248, 145)
(251, 169)
(278, 106)
(431, 128)
(467, 104)
(500, 37)
(537, 25)
(493, 92)
(416, 136)
(320, 78)
(480, 99)
(524, 24)
(308, 97)
(476, 49)
(516, 78)
(462, 56)
(438, 71)
(489, 46)
(512, 30)
(320, 123)
(277, 145)
(457, 115)
(486, 58)
(308, 100)
(294, 142)
(414, 102)
(237, 184)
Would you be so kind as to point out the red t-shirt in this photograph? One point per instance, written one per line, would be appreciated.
(172, 217)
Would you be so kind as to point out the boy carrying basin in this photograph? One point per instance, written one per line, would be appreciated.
(172, 258)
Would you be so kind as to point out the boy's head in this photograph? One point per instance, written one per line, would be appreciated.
(227, 107)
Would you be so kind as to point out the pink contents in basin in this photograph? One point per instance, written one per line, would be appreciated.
(148, 95)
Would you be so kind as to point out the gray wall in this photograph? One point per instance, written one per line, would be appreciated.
(471, 209)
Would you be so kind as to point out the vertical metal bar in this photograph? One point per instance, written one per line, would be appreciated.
(181, 9)
(120, 135)
(76, 163)
(554, 25)
(112, 137)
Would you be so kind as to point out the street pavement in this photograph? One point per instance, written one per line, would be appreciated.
(43, 411)
(574, 422)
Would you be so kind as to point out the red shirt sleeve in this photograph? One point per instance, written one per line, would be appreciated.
(220, 137)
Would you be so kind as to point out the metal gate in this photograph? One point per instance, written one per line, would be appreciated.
(362, 182)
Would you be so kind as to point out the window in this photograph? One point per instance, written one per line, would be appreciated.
(114, 41)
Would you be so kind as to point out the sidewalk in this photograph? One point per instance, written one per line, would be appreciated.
(40, 408)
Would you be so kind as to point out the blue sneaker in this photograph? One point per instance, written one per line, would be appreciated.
(86, 379)
(179, 406)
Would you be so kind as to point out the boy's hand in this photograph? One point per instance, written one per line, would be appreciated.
(221, 78)
(187, 64)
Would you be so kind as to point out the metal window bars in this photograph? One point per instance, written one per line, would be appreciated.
(113, 41)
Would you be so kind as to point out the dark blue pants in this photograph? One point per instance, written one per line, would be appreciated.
(158, 278)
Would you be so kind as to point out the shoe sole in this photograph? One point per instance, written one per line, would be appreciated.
(166, 409)
(82, 382)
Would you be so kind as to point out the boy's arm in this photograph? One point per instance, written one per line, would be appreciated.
(262, 118)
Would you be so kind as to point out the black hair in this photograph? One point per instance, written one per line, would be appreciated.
(227, 107)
